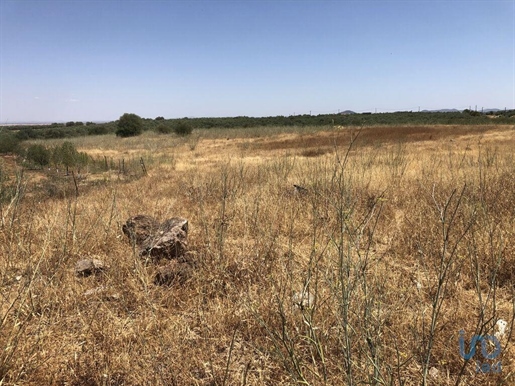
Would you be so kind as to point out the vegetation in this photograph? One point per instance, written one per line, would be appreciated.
(164, 128)
(77, 129)
(129, 125)
(39, 155)
(399, 240)
(9, 143)
(183, 128)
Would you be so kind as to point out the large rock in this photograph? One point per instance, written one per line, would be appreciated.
(168, 240)
(139, 228)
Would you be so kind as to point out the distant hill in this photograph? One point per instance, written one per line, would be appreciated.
(347, 112)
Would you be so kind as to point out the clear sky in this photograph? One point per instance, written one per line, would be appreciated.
(87, 60)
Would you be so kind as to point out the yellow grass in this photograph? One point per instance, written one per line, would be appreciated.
(404, 238)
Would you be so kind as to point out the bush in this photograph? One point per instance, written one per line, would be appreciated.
(164, 129)
(53, 133)
(9, 143)
(129, 125)
(38, 154)
(183, 128)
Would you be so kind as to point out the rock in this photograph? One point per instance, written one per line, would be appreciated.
(87, 267)
(299, 190)
(139, 228)
(173, 272)
(168, 240)
(175, 222)
(501, 328)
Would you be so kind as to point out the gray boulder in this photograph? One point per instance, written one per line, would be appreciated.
(139, 228)
(167, 240)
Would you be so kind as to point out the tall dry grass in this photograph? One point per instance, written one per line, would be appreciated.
(400, 242)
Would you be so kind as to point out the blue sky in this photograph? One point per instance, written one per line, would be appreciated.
(95, 60)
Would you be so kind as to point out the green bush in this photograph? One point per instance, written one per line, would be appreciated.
(68, 156)
(39, 155)
(183, 128)
(9, 143)
(97, 130)
(129, 125)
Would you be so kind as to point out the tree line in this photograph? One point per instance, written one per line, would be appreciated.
(130, 124)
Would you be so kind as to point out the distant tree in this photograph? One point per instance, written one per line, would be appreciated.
(471, 113)
(38, 154)
(69, 124)
(53, 133)
(97, 130)
(129, 125)
(160, 119)
(22, 135)
(183, 128)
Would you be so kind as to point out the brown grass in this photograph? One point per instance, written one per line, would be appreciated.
(403, 239)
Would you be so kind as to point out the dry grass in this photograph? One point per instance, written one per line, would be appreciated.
(403, 239)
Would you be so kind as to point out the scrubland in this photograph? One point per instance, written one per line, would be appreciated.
(403, 238)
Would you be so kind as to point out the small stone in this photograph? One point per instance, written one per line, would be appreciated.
(299, 190)
(87, 267)
(501, 328)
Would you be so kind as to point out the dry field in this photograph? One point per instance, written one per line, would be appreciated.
(403, 238)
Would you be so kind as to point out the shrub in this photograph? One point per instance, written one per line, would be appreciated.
(9, 143)
(183, 128)
(164, 129)
(129, 125)
(68, 156)
(53, 133)
(38, 154)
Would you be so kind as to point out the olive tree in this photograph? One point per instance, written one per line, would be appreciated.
(129, 125)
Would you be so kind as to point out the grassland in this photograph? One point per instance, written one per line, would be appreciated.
(404, 238)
